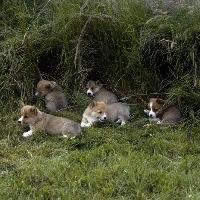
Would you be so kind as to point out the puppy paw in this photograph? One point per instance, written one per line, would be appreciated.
(123, 123)
(159, 122)
(146, 111)
(26, 134)
(119, 121)
(85, 125)
(69, 137)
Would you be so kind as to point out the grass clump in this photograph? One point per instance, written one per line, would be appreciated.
(137, 49)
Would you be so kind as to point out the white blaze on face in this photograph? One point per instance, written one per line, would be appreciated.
(89, 92)
(20, 120)
(151, 113)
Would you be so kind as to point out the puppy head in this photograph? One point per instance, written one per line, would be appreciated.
(44, 87)
(98, 110)
(155, 106)
(29, 114)
(93, 87)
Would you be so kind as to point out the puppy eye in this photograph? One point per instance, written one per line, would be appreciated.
(100, 112)
(92, 88)
(25, 116)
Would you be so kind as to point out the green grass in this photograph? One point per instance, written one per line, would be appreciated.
(138, 53)
(106, 162)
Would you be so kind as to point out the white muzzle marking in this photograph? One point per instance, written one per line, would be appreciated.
(89, 92)
(151, 113)
(102, 118)
(20, 120)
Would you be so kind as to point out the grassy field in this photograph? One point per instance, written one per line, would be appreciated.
(106, 162)
(138, 53)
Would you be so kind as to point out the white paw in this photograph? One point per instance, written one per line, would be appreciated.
(146, 111)
(85, 125)
(72, 138)
(65, 136)
(159, 122)
(123, 123)
(119, 121)
(26, 134)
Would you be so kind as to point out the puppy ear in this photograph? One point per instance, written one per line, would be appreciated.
(160, 101)
(34, 109)
(92, 104)
(98, 82)
(21, 103)
(41, 78)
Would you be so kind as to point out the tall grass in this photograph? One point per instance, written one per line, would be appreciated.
(133, 49)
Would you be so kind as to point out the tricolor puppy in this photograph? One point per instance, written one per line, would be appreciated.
(99, 111)
(101, 94)
(52, 92)
(40, 121)
(161, 114)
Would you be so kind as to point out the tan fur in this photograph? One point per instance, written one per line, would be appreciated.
(164, 115)
(40, 121)
(99, 111)
(52, 92)
(100, 94)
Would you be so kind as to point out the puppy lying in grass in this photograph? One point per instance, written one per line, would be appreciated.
(162, 115)
(52, 92)
(96, 90)
(99, 111)
(40, 121)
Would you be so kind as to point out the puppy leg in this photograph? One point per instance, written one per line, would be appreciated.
(155, 120)
(121, 121)
(85, 123)
(28, 133)
(147, 111)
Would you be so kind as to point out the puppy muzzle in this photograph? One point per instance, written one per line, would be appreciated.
(89, 92)
(101, 119)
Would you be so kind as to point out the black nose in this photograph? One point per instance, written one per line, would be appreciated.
(150, 115)
(19, 122)
(104, 118)
(89, 93)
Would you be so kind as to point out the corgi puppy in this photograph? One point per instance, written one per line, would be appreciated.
(40, 121)
(95, 89)
(162, 115)
(99, 111)
(52, 92)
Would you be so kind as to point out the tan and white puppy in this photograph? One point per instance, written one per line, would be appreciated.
(101, 94)
(161, 114)
(99, 111)
(40, 121)
(52, 92)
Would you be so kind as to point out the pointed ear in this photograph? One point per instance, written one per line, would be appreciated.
(92, 104)
(41, 78)
(160, 101)
(98, 82)
(48, 86)
(34, 109)
(21, 103)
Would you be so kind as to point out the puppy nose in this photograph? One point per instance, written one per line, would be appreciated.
(104, 118)
(19, 121)
(150, 115)
(89, 93)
